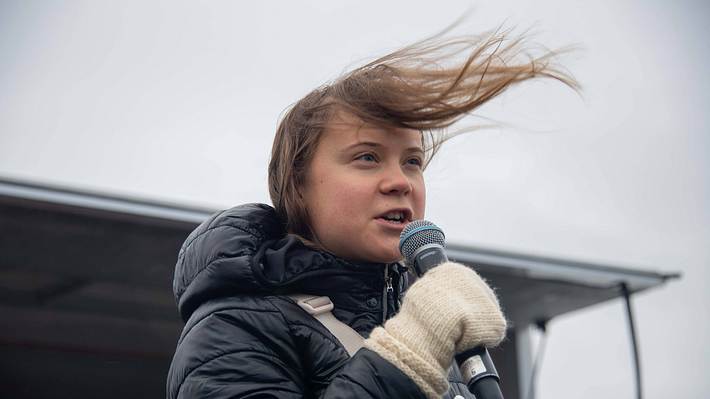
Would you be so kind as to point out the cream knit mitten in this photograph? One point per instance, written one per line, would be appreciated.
(447, 311)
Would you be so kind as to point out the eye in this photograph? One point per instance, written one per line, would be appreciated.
(416, 161)
(367, 157)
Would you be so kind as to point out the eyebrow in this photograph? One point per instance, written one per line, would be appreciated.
(378, 145)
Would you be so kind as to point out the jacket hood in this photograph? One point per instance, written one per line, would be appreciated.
(245, 250)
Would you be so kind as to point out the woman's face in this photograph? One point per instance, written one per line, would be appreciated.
(362, 179)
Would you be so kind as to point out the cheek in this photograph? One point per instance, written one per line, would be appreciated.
(420, 200)
(351, 199)
(336, 204)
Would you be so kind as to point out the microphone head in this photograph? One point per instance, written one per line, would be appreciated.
(418, 234)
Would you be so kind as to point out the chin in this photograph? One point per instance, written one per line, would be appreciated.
(386, 252)
(389, 256)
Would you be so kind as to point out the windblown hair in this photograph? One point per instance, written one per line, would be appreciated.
(427, 86)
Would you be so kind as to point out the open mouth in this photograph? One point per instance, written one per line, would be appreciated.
(397, 216)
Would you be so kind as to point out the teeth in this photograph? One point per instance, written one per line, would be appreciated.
(395, 215)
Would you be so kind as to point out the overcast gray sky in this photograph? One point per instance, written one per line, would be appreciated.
(179, 100)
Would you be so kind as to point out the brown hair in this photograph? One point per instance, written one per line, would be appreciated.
(427, 86)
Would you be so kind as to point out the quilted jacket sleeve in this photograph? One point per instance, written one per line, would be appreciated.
(367, 375)
(242, 352)
(236, 351)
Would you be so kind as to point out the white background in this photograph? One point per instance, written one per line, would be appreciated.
(178, 101)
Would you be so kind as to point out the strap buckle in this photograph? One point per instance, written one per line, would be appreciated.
(316, 305)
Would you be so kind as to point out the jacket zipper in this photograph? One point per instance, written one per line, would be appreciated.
(387, 288)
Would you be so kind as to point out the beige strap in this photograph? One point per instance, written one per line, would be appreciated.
(321, 308)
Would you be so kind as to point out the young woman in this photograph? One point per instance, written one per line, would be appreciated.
(345, 177)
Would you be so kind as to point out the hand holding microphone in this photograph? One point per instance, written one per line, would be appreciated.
(448, 311)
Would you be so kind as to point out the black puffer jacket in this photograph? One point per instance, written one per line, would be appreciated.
(244, 339)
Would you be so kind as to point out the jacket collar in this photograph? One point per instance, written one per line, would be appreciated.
(245, 250)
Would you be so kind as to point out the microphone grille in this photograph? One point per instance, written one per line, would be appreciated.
(417, 234)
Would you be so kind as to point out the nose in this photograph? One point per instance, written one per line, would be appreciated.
(395, 181)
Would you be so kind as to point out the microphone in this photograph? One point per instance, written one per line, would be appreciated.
(422, 245)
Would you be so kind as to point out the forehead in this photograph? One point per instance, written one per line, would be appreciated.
(345, 129)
